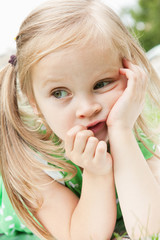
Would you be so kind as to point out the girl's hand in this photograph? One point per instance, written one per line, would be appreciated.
(87, 152)
(129, 106)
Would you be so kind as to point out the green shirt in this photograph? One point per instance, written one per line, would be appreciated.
(10, 224)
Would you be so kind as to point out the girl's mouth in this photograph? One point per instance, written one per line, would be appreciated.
(97, 127)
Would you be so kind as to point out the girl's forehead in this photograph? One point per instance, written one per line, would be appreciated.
(88, 50)
(99, 44)
(90, 59)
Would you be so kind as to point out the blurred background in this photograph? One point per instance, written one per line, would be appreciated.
(140, 16)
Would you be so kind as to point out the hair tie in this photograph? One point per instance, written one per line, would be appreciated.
(13, 60)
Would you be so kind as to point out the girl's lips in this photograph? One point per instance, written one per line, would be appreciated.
(96, 127)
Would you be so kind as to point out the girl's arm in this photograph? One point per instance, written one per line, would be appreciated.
(138, 191)
(154, 165)
(92, 216)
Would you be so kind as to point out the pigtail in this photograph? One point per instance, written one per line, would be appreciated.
(13, 156)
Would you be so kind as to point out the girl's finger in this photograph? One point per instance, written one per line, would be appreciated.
(81, 140)
(90, 149)
(137, 70)
(101, 152)
(137, 79)
(128, 64)
(70, 137)
(127, 72)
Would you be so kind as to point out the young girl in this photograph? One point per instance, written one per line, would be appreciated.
(75, 126)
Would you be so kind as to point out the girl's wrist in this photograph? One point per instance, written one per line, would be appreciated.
(119, 129)
(98, 176)
(119, 133)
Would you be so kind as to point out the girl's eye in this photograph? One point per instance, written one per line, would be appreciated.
(101, 84)
(60, 94)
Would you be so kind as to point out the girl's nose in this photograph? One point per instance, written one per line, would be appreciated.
(88, 110)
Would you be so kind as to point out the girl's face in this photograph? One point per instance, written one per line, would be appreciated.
(78, 87)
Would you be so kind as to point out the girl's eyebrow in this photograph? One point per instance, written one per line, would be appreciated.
(50, 80)
(108, 70)
(108, 75)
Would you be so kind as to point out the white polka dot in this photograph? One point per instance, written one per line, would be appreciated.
(73, 185)
(1, 211)
(12, 231)
(3, 206)
(43, 127)
(22, 225)
(9, 218)
(12, 225)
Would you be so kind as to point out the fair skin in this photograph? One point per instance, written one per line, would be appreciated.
(87, 97)
(140, 204)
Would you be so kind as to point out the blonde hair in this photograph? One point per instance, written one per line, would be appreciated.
(55, 25)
